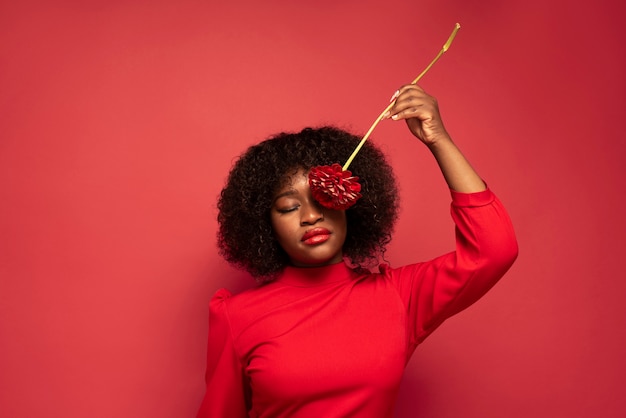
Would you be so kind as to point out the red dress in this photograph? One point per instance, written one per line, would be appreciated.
(332, 342)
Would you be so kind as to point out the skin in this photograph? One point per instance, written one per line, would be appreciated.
(295, 212)
(421, 113)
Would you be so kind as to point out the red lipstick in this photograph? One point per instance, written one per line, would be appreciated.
(315, 236)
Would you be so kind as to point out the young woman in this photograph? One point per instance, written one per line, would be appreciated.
(322, 335)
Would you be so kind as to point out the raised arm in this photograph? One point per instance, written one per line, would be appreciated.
(486, 246)
(421, 113)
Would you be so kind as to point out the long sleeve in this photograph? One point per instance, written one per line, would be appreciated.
(486, 248)
(225, 390)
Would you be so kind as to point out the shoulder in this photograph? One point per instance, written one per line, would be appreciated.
(395, 277)
(387, 272)
(218, 307)
(239, 306)
(225, 299)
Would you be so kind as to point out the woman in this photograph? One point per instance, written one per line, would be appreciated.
(322, 336)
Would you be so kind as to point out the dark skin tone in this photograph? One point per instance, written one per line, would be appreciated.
(421, 113)
(295, 212)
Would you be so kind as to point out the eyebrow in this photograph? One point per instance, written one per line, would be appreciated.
(289, 192)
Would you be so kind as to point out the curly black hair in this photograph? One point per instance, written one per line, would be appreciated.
(245, 237)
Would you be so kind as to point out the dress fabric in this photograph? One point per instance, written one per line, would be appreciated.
(333, 342)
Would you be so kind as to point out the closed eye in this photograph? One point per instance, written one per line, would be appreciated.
(287, 210)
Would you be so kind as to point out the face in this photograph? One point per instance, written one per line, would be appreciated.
(310, 234)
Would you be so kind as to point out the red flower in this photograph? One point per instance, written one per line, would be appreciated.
(334, 188)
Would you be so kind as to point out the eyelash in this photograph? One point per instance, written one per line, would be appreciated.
(287, 210)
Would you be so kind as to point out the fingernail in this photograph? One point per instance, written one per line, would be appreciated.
(395, 117)
(395, 96)
(386, 115)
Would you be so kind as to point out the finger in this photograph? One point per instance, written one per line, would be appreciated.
(403, 89)
(411, 103)
(405, 102)
(411, 90)
(411, 112)
(410, 87)
(408, 95)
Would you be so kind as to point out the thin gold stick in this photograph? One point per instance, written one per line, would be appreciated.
(379, 118)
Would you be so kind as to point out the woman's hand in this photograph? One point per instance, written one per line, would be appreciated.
(421, 113)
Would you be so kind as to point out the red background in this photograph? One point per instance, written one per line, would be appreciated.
(120, 119)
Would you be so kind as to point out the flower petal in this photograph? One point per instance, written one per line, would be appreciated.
(333, 187)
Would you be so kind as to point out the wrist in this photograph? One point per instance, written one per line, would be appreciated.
(439, 141)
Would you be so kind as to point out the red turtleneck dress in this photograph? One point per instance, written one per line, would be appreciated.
(331, 342)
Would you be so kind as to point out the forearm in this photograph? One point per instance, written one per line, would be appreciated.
(421, 113)
(456, 170)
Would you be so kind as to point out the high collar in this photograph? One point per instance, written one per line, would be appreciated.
(316, 276)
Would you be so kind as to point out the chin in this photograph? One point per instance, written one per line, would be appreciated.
(317, 262)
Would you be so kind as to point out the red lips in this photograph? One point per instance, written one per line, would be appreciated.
(315, 236)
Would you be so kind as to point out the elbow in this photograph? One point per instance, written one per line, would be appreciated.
(502, 256)
(493, 258)
(511, 249)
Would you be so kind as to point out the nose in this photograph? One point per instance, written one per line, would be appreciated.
(311, 214)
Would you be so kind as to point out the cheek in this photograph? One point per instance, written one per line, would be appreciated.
(281, 229)
(340, 225)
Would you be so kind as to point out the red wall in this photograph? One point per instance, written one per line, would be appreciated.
(119, 121)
